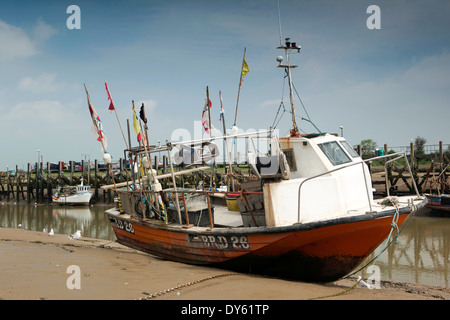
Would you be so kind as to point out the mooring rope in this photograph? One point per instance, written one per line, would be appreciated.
(184, 285)
(394, 226)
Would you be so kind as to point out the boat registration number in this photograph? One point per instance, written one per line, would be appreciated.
(124, 225)
(222, 242)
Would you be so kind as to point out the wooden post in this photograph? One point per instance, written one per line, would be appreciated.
(60, 174)
(7, 185)
(441, 160)
(1, 187)
(28, 182)
(211, 222)
(121, 168)
(411, 146)
(49, 186)
(82, 169)
(17, 183)
(185, 208)
(72, 163)
(37, 182)
(96, 179)
(385, 149)
(41, 177)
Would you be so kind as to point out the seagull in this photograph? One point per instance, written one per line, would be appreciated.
(51, 232)
(76, 235)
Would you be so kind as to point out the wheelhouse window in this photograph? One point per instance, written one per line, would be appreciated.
(334, 153)
(349, 149)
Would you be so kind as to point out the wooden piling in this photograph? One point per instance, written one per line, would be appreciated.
(72, 163)
(96, 179)
(28, 183)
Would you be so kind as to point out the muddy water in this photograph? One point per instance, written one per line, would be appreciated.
(91, 220)
(421, 254)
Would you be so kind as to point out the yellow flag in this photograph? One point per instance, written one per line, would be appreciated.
(137, 131)
(245, 68)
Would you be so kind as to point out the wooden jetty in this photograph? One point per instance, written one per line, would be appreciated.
(18, 186)
(423, 166)
(38, 186)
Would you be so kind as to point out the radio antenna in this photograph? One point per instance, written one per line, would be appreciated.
(279, 22)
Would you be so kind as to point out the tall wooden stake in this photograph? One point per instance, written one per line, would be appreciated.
(212, 182)
(115, 110)
(239, 90)
(227, 155)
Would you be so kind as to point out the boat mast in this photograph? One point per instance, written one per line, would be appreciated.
(287, 47)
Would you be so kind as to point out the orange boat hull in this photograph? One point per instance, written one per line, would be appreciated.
(318, 252)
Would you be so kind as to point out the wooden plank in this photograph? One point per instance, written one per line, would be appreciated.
(161, 176)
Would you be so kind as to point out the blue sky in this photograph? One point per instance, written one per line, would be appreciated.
(389, 85)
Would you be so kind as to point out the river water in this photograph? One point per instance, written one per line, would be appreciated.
(421, 254)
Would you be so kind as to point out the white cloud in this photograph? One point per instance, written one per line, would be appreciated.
(44, 83)
(43, 31)
(14, 43)
(43, 110)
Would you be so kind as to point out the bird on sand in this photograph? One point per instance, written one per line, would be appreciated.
(76, 235)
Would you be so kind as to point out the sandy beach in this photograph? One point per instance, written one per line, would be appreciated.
(36, 266)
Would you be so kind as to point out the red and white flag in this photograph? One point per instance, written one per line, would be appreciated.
(111, 104)
(97, 126)
(205, 116)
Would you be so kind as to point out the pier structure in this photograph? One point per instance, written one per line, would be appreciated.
(39, 181)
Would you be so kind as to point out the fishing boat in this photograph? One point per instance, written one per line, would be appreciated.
(438, 202)
(306, 212)
(436, 189)
(73, 195)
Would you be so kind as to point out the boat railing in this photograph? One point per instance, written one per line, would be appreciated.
(180, 194)
(395, 156)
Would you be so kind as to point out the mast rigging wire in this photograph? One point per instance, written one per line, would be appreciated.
(277, 120)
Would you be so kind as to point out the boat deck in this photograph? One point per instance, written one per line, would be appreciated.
(225, 218)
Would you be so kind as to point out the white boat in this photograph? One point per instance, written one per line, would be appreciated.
(73, 195)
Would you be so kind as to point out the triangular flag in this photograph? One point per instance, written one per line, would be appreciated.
(111, 104)
(96, 123)
(137, 130)
(245, 69)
